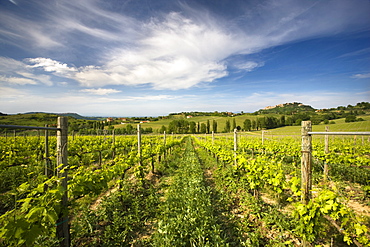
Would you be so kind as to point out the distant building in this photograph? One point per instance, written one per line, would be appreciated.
(189, 116)
(109, 119)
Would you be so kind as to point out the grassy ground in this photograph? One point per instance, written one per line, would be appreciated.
(340, 124)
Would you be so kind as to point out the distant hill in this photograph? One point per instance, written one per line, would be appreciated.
(287, 108)
(74, 115)
(77, 116)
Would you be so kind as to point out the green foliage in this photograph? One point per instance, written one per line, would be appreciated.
(312, 216)
(34, 215)
(214, 126)
(119, 218)
(187, 216)
(266, 170)
(38, 201)
(288, 109)
(203, 128)
(227, 126)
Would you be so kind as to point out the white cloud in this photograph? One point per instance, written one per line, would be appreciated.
(100, 91)
(248, 65)
(27, 33)
(361, 76)
(50, 65)
(9, 65)
(44, 79)
(18, 73)
(7, 94)
(175, 51)
(176, 54)
(17, 80)
(154, 97)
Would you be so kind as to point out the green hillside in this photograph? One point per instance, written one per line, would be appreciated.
(280, 120)
(340, 126)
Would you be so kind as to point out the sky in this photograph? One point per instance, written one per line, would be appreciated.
(152, 58)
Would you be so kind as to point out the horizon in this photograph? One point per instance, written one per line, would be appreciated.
(168, 114)
(140, 58)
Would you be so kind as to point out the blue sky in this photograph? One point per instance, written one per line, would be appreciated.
(150, 58)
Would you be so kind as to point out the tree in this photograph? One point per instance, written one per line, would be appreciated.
(227, 126)
(180, 126)
(162, 129)
(214, 126)
(260, 123)
(208, 127)
(254, 125)
(203, 128)
(350, 118)
(247, 124)
(129, 129)
(192, 127)
(271, 122)
(282, 120)
(233, 126)
(148, 130)
(316, 119)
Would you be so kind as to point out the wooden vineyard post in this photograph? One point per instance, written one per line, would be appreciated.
(235, 144)
(326, 168)
(306, 168)
(140, 163)
(263, 136)
(139, 143)
(164, 144)
(113, 144)
(213, 137)
(113, 137)
(62, 163)
(48, 169)
(152, 157)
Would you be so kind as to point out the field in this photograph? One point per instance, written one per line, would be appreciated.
(340, 124)
(187, 190)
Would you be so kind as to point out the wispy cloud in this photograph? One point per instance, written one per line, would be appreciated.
(13, 2)
(247, 66)
(100, 91)
(17, 80)
(26, 33)
(356, 53)
(175, 51)
(19, 73)
(361, 76)
(9, 93)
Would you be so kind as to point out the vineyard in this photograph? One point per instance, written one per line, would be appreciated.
(194, 190)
